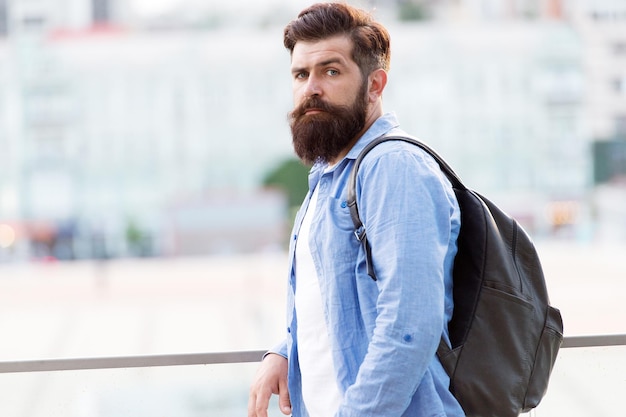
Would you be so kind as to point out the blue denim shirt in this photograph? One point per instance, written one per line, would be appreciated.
(384, 333)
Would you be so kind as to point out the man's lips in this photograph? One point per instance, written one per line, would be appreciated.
(313, 111)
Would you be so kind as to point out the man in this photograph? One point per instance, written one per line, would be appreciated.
(356, 346)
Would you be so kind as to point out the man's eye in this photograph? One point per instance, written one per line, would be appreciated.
(301, 75)
(332, 72)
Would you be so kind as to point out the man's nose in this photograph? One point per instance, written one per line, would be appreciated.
(313, 87)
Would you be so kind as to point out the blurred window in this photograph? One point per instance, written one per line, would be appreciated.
(101, 11)
(619, 85)
(620, 125)
(619, 48)
(4, 18)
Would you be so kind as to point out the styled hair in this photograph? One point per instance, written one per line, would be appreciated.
(371, 41)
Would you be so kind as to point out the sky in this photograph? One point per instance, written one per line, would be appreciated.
(156, 7)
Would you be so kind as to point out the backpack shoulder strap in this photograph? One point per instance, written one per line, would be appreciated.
(359, 229)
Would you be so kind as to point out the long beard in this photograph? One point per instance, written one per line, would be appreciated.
(323, 136)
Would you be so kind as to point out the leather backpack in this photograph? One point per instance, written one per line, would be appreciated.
(505, 336)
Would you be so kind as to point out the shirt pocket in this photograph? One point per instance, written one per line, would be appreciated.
(333, 233)
(340, 228)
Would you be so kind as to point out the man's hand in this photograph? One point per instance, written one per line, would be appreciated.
(271, 378)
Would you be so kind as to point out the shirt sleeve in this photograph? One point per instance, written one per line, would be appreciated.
(280, 349)
(406, 205)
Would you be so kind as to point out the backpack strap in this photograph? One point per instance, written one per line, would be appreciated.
(359, 228)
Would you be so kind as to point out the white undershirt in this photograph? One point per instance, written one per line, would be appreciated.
(320, 391)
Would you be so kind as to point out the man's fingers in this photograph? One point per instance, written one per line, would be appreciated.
(271, 379)
(258, 403)
(283, 398)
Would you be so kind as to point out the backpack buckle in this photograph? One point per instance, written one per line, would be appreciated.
(360, 234)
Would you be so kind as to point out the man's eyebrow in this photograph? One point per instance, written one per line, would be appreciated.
(324, 63)
(330, 61)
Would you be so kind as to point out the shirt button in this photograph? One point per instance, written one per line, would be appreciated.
(288, 329)
(407, 338)
(344, 204)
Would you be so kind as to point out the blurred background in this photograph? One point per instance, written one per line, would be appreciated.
(147, 181)
(158, 128)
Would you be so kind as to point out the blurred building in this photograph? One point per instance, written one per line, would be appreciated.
(108, 119)
(602, 25)
(504, 103)
(104, 126)
(553, 99)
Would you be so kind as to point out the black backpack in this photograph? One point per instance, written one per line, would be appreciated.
(505, 336)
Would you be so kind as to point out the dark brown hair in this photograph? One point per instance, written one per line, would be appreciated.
(323, 20)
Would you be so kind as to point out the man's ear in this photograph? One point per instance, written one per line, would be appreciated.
(377, 82)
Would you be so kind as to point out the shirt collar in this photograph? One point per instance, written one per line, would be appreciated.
(383, 125)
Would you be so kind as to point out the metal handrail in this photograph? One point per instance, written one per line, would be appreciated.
(179, 359)
(594, 341)
(139, 361)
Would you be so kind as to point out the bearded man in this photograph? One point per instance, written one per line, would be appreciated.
(354, 346)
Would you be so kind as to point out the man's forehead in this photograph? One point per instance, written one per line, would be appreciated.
(338, 48)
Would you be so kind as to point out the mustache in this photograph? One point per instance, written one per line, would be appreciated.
(311, 103)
